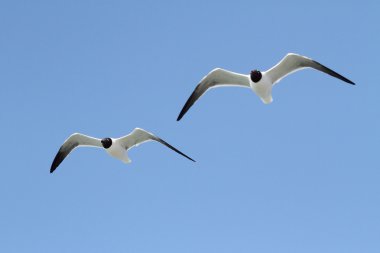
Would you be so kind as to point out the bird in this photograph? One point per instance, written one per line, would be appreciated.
(260, 82)
(115, 147)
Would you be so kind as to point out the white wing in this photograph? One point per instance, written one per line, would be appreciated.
(138, 136)
(216, 77)
(75, 140)
(294, 62)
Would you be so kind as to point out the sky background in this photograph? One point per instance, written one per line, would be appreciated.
(299, 175)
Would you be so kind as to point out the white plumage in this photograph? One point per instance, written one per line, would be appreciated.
(115, 147)
(262, 86)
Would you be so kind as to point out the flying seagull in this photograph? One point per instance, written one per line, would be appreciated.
(260, 82)
(115, 147)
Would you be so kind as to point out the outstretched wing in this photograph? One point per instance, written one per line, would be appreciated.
(216, 77)
(75, 140)
(139, 136)
(294, 62)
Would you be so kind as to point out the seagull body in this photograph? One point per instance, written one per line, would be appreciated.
(263, 88)
(115, 147)
(118, 151)
(260, 82)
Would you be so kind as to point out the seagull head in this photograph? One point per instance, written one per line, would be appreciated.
(256, 75)
(106, 142)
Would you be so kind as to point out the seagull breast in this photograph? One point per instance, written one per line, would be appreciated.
(263, 89)
(117, 150)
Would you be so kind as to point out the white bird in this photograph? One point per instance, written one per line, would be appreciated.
(115, 147)
(260, 82)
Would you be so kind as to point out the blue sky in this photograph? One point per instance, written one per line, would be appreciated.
(299, 175)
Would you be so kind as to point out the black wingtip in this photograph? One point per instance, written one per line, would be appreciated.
(57, 160)
(347, 80)
(53, 166)
(185, 108)
(190, 101)
(188, 157)
(172, 148)
(333, 73)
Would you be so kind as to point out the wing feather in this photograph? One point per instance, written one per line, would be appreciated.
(294, 62)
(138, 136)
(217, 77)
(74, 141)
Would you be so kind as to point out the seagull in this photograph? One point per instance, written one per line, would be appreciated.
(115, 147)
(260, 82)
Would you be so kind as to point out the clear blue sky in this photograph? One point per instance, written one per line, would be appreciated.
(299, 175)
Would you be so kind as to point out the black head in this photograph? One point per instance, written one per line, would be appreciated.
(106, 142)
(256, 75)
